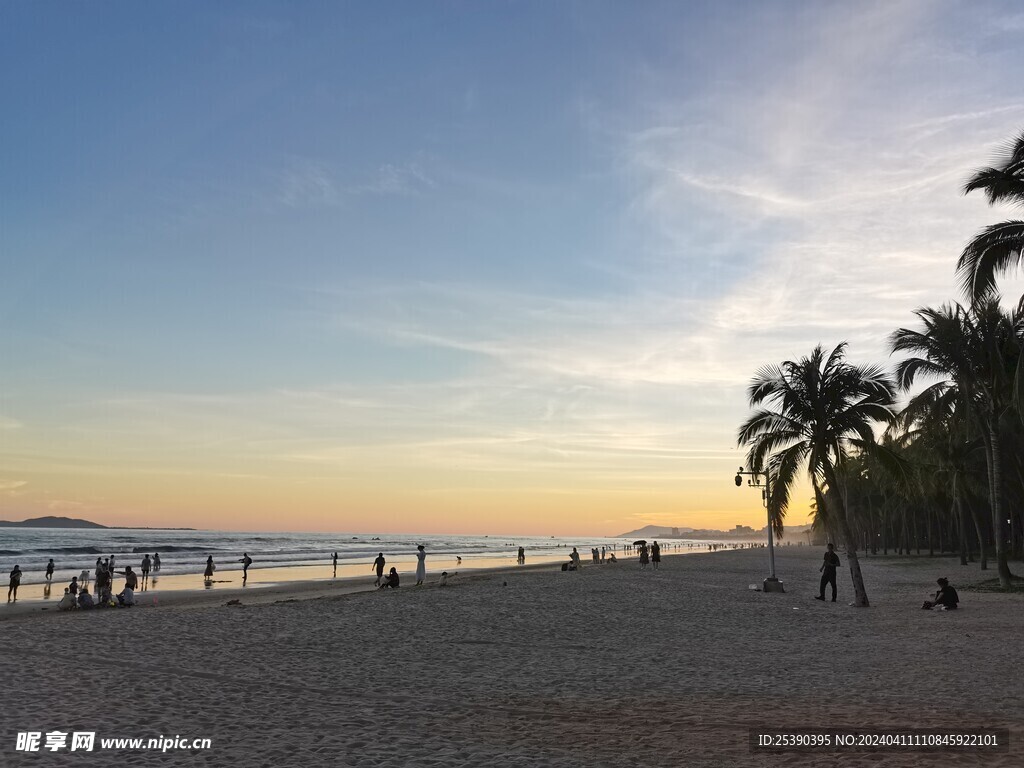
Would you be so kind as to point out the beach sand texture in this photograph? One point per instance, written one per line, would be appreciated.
(608, 666)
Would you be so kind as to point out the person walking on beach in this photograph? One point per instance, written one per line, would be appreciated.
(15, 583)
(602, 554)
(210, 568)
(49, 570)
(421, 564)
(146, 565)
(644, 557)
(334, 559)
(655, 555)
(156, 562)
(522, 557)
(828, 573)
(246, 561)
(379, 564)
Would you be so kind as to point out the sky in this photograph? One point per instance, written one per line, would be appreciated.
(461, 267)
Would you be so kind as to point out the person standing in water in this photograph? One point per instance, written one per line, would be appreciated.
(246, 561)
(828, 573)
(378, 565)
(421, 564)
(156, 562)
(49, 570)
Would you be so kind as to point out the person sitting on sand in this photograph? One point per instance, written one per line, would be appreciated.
(68, 602)
(611, 558)
(85, 600)
(391, 582)
(945, 599)
(575, 557)
(126, 598)
(443, 581)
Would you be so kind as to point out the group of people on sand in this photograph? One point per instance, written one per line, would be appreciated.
(76, 594)
(393, 580)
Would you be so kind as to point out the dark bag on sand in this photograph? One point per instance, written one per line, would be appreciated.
(927, 605)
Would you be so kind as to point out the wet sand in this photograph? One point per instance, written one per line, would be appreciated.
(610, 666)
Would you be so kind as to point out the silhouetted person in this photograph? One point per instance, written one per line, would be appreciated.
(655, 555)
(12, 590)
(68, 602)
(73, 586)
(156, 562)
(334, 559)
(575, 557)
(246, 561)
(421, 565)
(210, 568)
(522, 556)
(378, 565)
(146, 565)
(828, 573)
(946, 597)
(85, 600)
(49, 570)
(391, 582)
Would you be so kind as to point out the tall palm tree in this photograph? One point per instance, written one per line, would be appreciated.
(821, 408)
(999, 246)
(973, 353)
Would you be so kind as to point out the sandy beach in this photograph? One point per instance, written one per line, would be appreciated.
(608, 666)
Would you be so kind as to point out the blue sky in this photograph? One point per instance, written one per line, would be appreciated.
(444, 266)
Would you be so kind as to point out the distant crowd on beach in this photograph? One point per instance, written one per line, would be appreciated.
(77, 594)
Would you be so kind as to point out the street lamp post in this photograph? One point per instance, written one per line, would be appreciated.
(771, 584)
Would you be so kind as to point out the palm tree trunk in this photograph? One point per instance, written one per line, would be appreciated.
(860, 593)
(982, 552)
(958, 508)
(999, 527)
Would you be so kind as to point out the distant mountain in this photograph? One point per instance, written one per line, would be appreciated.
(654, 531)
(51, 522)
(739, 532)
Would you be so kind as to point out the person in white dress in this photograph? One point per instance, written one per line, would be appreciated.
(421, 564)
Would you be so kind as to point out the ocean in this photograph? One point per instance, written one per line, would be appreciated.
(185, 552)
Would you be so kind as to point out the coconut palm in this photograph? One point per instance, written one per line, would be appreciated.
(998, 247)
(973, 353)
(820, 409)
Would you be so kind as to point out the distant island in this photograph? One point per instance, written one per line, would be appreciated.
(739, 532)
(51, 522)
(74, 522)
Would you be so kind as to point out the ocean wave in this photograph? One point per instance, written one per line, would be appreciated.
(10, 552)
(172, 548)
(73, 550)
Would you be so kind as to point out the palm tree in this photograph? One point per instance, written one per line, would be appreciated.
(973, 353)
(1000, 246)
(821, 408)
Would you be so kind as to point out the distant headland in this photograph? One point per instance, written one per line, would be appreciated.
(73, 522)
(739, 532)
